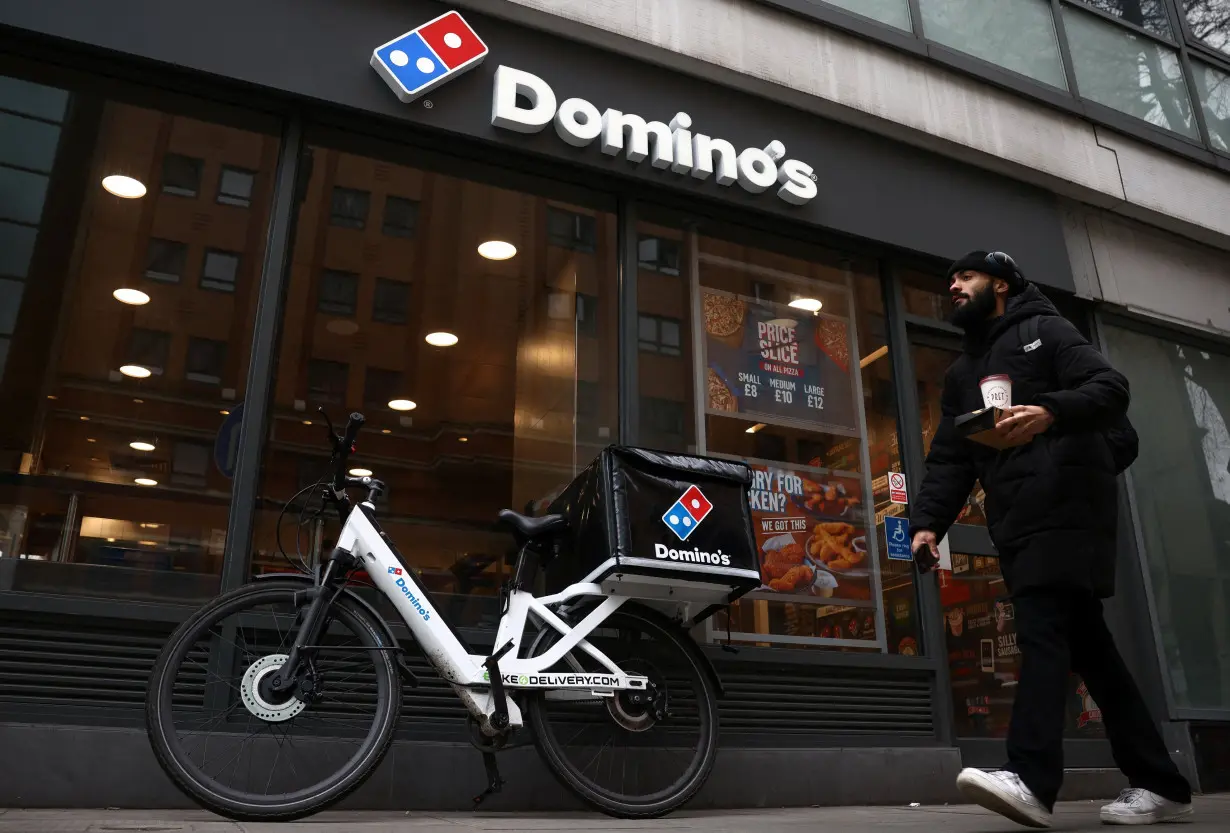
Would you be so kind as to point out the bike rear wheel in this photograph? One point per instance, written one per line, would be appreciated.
(626, 758)
(246, 754)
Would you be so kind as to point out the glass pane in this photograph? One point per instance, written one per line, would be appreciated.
(22, 195)
(1181, 481)
(1147, 14)
(504, 417)
(235, 187)
(1018, 35)
(117, 482)
(1213, 86)
(930, 366)
(1209, 21)
(1128, 72)
(16, 248)
(892, 12)
(805, 395)
(181, 175)
(27, 143)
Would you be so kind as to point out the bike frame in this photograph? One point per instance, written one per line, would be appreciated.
(467, 672)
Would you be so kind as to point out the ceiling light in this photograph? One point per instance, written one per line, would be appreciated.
(386, 431)
(149, 543)
(124, 186)
(141, 445)
(150, 526)
(134, 297)
(403, 405)
(497, 250)
(145, 481)
(225, 412)
(441, 339)
(90, 440)
(755, 428)
(360, 472)
(136, 371)
(51, 396)
(139, 401)
(807, 304)
(85, 419)
(463, 439)
(110, 540)
(307, 422)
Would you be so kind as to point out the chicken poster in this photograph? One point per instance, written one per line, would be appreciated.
(811, 531)
(770, 360)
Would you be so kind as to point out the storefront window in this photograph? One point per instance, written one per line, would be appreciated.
(783, 362)
(127, 299)
(474, 326)
(1181, 483)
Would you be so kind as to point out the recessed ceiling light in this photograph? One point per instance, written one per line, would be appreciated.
(441, 339)
(360, 472)
(755, 428)
(145, 481)
(90, 440)
(136, 371)
(307, 422)
(85, 419)
(51, 396)
(124, 186)
(150, 526)
(497, 250)
(386, 431)
(139, 401)
(463, 439)
(807, 304)
(134, 297)
(141, 445)
(149, 543)
(403, 405)
(225, 412)
(110, 540)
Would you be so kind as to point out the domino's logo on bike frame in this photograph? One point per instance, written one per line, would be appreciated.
(417, 62)
(687, 513)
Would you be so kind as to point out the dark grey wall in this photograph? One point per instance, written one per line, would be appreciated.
(870, 187)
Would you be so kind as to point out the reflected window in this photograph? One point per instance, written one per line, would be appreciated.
(1147, 14)
(181, 175)
(515, 392)
(660, 335)
(895, 13)
(401, 216)
(339, 292)
(1128, 72)
(108, 480)
(571, 230)
(1213, 87)
(206, 358)
(165, 260)
(349, 208)
(658, 255)
(1209, 22)
(220, 270)
(235, 187)
(1018, 35)
(391, 301)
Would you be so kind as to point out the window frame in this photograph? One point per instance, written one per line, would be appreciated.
(175, 191)
(213, 284)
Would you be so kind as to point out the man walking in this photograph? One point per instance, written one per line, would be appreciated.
(1051, 507)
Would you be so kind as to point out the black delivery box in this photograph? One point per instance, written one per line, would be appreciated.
(658, 526)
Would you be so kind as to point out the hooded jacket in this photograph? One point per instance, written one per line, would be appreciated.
(1052, 504)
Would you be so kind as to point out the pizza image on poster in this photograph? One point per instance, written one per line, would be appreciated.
(804, 553)
(773, 361)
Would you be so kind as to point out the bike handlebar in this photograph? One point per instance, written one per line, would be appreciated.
(344, 448)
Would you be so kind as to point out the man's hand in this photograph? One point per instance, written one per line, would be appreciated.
(925, 549)
(1024, 422)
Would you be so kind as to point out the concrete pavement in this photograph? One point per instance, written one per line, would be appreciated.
(1212, 814)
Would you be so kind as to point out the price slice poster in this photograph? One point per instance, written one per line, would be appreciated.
(773, 361)
(811, 531)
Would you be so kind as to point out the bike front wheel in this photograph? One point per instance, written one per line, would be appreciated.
(242, 752)
(635, 754)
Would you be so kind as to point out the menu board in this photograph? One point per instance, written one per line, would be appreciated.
(811, 531)
(770, 360)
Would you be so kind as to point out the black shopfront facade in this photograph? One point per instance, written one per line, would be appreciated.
(501, 303)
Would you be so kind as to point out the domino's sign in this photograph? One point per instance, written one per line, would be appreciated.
(444, 48)
(424, 58)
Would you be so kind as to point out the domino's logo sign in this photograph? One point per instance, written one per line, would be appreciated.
(687, 513)
(426, 57)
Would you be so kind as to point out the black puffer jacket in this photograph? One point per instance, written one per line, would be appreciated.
(1052, 504)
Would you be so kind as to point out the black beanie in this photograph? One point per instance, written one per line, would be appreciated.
(1002, 267)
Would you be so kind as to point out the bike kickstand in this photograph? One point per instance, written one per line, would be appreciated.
(494, 782)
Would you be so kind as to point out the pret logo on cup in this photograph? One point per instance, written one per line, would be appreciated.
(424, 58)
(996, 391)
(687, 513)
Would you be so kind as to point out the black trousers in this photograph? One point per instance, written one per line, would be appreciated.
(1060, 631)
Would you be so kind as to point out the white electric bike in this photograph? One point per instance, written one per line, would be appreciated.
(279, 698)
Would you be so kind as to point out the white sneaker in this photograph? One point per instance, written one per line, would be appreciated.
(1134, 806)
(1004, 793)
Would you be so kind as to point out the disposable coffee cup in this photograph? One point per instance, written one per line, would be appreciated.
(996, 392)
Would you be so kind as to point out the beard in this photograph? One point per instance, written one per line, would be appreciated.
(975, 311)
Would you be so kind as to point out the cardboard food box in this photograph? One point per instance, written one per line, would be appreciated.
(979, 426)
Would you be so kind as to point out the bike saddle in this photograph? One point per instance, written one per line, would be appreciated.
(533, 528)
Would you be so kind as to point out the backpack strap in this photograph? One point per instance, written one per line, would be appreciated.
(1028, 332)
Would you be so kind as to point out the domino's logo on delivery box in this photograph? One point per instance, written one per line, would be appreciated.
(687, 513)
(426, 57)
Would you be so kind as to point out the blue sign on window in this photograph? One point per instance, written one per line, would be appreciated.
(897, 532)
